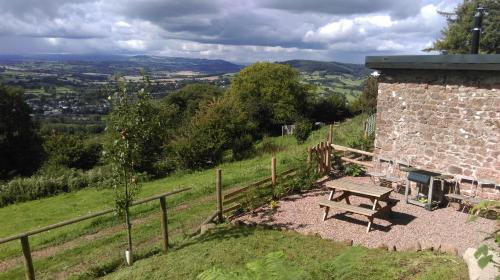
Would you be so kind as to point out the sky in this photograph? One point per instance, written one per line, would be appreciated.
(234, 30)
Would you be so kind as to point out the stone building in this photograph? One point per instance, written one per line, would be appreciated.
(440, 113)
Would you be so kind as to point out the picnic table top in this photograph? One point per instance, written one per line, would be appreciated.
(370, 190)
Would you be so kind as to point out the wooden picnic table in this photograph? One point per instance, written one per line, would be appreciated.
(375, 194)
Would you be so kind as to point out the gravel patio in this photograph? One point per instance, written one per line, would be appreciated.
(408, 224)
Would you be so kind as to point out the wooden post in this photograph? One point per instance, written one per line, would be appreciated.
(218, 187)
(318, 153)
(164, 224)
(28, 262)
(330, 134)
(309, 155)
(328, 157)
(273, 171)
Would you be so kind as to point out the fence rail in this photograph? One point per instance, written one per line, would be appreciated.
(23, 237)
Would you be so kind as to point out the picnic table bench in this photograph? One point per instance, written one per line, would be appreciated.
(375, 194)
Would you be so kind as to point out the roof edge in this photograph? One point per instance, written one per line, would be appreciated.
(482, 62)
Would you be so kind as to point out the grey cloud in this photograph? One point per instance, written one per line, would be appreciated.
(157, 10)
(397, 8)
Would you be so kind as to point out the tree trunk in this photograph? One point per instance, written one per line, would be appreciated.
(129, 235)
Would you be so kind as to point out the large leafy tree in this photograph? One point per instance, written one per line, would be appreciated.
(218, 125)
(188, 99)
(271, 94)
(20, 145)
(457, 35)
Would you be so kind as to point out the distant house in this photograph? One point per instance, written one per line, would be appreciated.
(441, 113)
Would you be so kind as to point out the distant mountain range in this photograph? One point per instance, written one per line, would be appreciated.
(109, 64)
(334, 68)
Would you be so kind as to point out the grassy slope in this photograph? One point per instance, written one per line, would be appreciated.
(103, 253)
(90, 253)
(230, 248)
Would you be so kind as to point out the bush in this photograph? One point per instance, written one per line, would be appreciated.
(71, 151)
(218, 126)
(353, 170)
(303, 129)
(51, 180)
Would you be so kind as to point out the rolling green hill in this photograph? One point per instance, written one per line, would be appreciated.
(332, 68)
(331, 78)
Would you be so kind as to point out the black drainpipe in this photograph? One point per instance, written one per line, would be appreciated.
(476, 31)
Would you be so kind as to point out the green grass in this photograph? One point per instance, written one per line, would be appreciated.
(186, 210)
(230, 248)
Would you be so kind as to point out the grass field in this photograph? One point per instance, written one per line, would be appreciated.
(228, 249)
(326, 84)
(92, 248)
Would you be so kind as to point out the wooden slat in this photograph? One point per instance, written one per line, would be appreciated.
(235, 192)
(347, 149)
(284, 174)
(232, 208)
(363, 163)
(347, 207)
(233, 199)
(345, 185)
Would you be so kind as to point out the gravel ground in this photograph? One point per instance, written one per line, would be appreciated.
(408, 224)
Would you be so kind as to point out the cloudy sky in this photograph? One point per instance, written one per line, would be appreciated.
(235, 30)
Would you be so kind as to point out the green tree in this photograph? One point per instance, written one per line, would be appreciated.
(71, 151)
(189, 98)
(329, 109)
(20, 145)
(219, 125)
(271, 94)
(368, 99)
(131, 127)
(457, 35)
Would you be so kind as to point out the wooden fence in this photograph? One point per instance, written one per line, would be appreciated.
(231, 200)
(324, 151)
(23, 237)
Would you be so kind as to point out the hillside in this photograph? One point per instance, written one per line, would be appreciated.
(332, 78)
(111, 64)
(332, 68)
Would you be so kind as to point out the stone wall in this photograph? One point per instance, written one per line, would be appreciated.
(442, 120)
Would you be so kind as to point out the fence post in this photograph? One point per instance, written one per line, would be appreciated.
(273, 171)
(322, 159)
(330, 134)
(28, 262)
(164, 224)
(218, 187)
(309, 155)
(328, 157)
(318, 154)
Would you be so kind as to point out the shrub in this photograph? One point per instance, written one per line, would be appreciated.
(51, 180)
(218, 126)
(353, 170)
(303, 129)
(71, 151)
